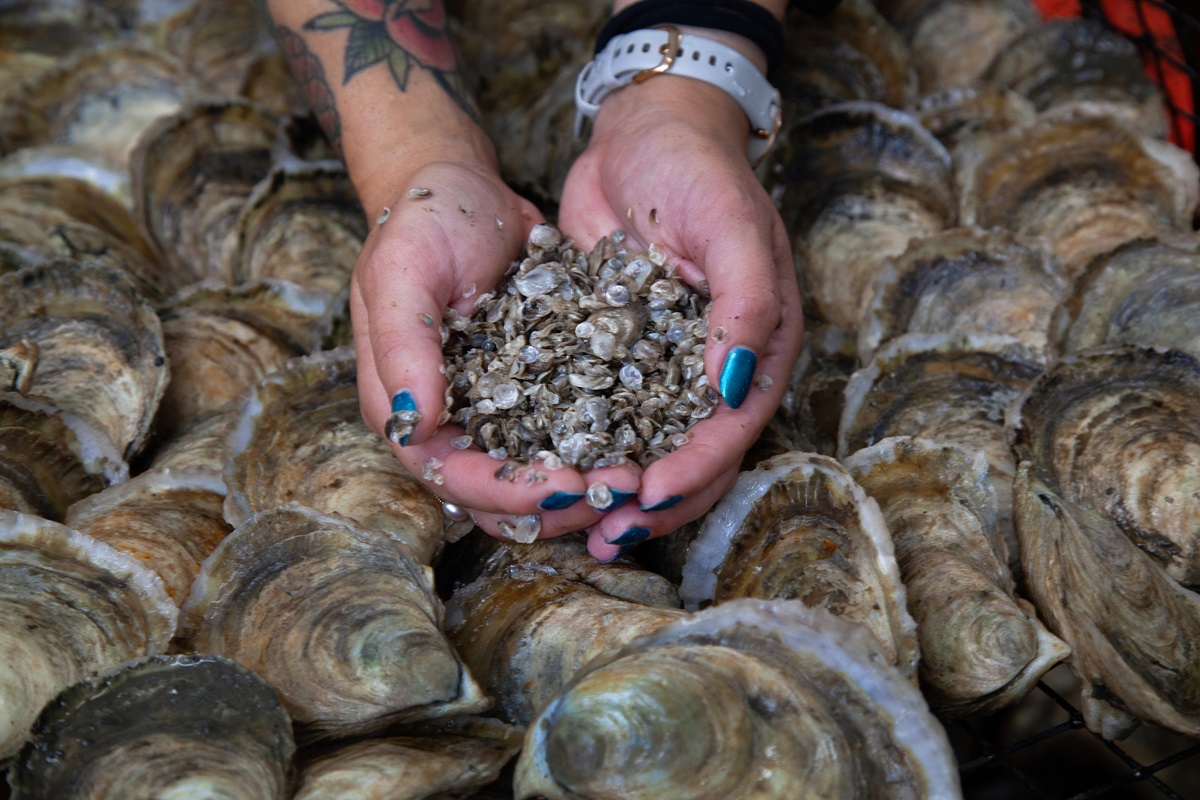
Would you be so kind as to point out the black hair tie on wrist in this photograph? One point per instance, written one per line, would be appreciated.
(734, 16)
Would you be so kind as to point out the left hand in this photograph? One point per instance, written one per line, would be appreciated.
(667, 164)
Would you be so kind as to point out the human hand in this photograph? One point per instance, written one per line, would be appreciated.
(432, 252)
(667, 164)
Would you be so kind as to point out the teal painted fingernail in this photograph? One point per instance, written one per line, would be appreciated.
(559, 501)
(619, 499)
(632, 536)
(404, 418)
(670, 502)
(736, 375)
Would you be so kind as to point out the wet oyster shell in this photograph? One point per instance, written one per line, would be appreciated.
(524, 631)
(953, 41)
(199, 446)
(964, 279)
(169, 520)
(220, 41)
(961, 116)
(300, 436)
(1133, 630)
(341, 620)
(70, 607)
(1118, 431)
(1143, 292)
(747, 699)
(81, 242)
(812, 404)
(192, 173)
(982, 648)
(799, 527)
(100, 347)
(1083, 184)
(71, 161)
(167, 726)
(443, 761)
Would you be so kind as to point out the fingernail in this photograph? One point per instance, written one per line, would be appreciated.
(619, 499)
(404, 418)
(736, 375)
(670, 502)
(559, 501)
(632, 536)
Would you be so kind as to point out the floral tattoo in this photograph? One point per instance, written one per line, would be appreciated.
(400, 33)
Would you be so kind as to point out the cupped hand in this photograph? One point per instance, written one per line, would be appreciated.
(667, 164)
(443, 235)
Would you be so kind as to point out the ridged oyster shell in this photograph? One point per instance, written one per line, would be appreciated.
(341, 620)
(70, 608)
(799, 527)
(747, 699)
(982, 648)
(953, 41)
(168, 726)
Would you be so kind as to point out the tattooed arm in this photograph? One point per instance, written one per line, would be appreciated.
(383, 78)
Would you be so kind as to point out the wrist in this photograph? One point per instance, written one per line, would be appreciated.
(389, 174)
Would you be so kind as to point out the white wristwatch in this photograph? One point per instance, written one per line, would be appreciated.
(635, 56)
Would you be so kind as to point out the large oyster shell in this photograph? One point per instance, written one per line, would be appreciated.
(960, 116)
(168, 726)
(747, 699)
(798, 527)
(70, 607)
(953, 41)
(341, 620)
(300, 436)
(982, 648)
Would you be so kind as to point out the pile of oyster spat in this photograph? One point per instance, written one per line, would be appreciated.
(587, 359)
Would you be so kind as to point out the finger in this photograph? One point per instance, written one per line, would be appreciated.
(546, 525)
(621, 531)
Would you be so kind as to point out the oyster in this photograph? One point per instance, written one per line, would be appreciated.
(70, 161)
(341, 620)
(299, 436)
(1083, 184)
(192, 173)
(798, 527)
(964, 280)
(168, 726)
(1143, 292)
(812, 405)
(982, 648)
(220, 41)
(70, 608)
(1118, 431)
(525, 630)
(169, 520)
(199, 446)
(865, 181)
(100, 348)
(746, 699)
(953, 41)
(81, 242)
(961, 116)
(1081, 62)
(442, 760)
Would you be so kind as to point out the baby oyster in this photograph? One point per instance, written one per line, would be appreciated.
(445, 758)
(1143, 292)
(168, 726)
(747, 699)
(962, 280)
(799, 527)
(299, 436)
(524, 631)
(341, 620)
(70, 608)
(982, 648)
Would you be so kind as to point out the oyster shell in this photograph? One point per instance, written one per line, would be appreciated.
(168, 726)
(865, 180)
(747, 699)
(199, 446)
(300, 436)
(341, 620)
(953, 41)
(961, 116)
(71, 161)
(70, 608)
(1083, 184)
(962, 280)
(982, 648)
(441, 761)
(812, 405)
(81, 242)
(192, 173)
(220, 41)
(1118, 431)
(169, 520)
(1081, 61)
(798, 527)
(1143, 292)
(100, 347)
(525, 630)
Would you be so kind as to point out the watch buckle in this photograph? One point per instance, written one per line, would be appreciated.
(667, 51)
(770, 136)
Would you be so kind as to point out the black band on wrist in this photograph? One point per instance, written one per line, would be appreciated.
(734, 16)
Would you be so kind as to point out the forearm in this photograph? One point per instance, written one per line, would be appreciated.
(388, 93)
